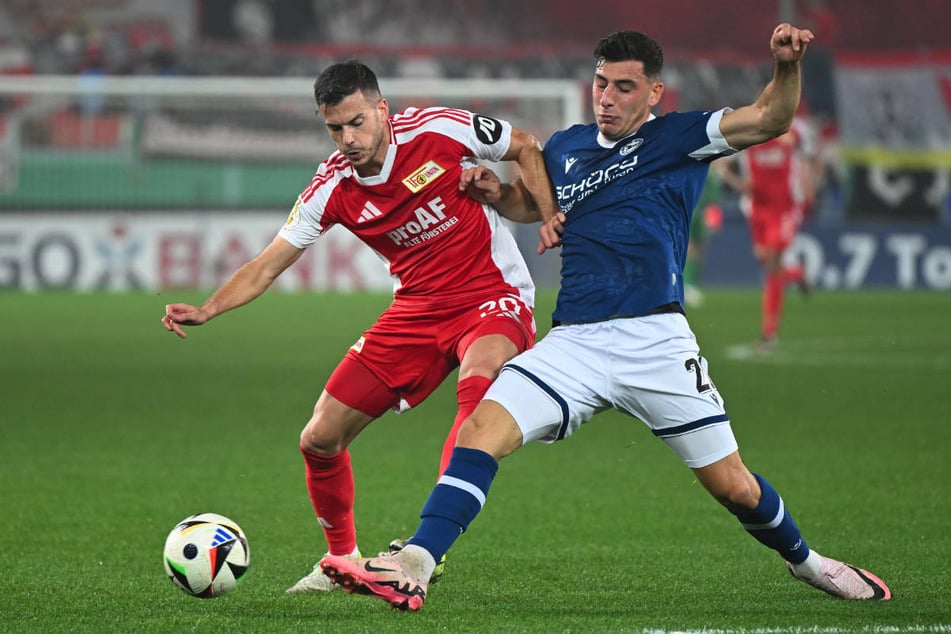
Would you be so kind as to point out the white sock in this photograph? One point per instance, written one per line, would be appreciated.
(808, 569)
(418, 561)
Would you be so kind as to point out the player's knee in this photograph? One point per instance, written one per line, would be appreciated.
(486, 357)
(485, 366)
(314, 439)
(491, 429)
(487, 370)
(739, 495)
(731, 484)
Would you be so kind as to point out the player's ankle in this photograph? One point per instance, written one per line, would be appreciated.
(808, 569)
(418, 561)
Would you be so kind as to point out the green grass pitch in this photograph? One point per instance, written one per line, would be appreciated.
(112, 430)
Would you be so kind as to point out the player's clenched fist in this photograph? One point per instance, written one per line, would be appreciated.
(789, 43)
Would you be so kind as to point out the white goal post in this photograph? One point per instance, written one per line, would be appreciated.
(567, 93)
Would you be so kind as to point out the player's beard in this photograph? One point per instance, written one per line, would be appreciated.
(371, 156)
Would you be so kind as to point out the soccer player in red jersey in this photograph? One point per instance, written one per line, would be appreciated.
(463, 295)
(777, 180)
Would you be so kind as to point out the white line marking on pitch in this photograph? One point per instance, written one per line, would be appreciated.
(906, 351)
(867, 629)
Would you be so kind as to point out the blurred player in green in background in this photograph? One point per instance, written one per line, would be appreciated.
(707, 220)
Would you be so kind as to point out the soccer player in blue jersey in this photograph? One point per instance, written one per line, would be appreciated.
(627, 186)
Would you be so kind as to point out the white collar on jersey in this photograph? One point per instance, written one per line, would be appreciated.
(384, 174)
(607, 144)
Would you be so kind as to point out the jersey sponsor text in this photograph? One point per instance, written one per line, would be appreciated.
(430, 222)
(573, 193)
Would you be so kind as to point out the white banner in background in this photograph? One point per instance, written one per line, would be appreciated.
(153, 251)
(896, 106)
(895, 130)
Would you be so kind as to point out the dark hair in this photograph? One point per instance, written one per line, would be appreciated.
(341, 80)
(623, 46)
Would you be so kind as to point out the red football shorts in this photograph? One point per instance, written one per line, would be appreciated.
(774, 230)
(415, 345)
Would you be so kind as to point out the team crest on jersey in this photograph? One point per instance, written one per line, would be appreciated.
(630, 147)
(294, 217)
(423, 176)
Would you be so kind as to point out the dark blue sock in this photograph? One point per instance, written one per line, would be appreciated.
(456, 500)
(772, 525)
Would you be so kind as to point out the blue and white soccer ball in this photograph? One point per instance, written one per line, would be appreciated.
(206, 555)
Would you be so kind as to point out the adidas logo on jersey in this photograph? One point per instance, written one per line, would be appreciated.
(369, 212)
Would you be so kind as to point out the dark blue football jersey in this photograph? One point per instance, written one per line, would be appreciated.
(628, 205)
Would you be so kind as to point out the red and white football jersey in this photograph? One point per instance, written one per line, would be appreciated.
(437, 242)
(775, 172)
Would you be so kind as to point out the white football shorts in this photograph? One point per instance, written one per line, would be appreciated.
(647, 367)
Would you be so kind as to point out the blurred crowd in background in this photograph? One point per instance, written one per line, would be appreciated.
(716, 53)
(450, 38)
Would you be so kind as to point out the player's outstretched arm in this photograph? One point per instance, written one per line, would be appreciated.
(772, 112)
(247, 283)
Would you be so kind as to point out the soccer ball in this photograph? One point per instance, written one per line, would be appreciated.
(206, 555)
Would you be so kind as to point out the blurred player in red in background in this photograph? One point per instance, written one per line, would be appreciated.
(463, 295)
(777, 180)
